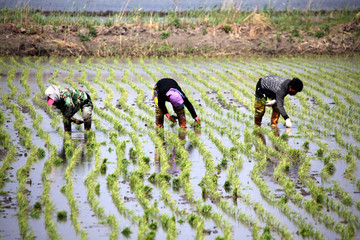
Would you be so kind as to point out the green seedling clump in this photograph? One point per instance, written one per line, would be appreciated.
(103, 168)
(132, 153)
(192, 218)
(63, 189)
(176, 183)
(330, 168)
(224, 163)
(146, 159)
(152, 178)
(41, 153)
(153, 226)
(306, 145)
(37, 205)
(304, 232)
(148, 190)
(320, 152)
(227, 185)
(266, 235)
(150, 235)
(206, 209)
(36, 211)
(97, 189)
(111, 179)
(126, 232)
(62, 215)
(165, 177)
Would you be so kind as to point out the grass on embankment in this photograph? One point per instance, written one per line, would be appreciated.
(291, 21)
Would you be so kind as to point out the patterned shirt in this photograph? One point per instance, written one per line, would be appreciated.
(71, 101)
(276, 87)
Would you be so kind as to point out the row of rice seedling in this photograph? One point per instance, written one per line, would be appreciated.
(339, 111)
(53, 160)
(23, 172)
(93, 188)
(73, 155)
(221, 76)
(217, 142)
(149, 86)
(340, 139)
(195, 144)
(138, 188)
(5, 142)
(351, 112)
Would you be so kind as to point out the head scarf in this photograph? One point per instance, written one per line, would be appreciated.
(53, 94)
(175, 97)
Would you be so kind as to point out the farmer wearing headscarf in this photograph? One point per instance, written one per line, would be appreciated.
(69, 101)
(168, 90)
(271, 91)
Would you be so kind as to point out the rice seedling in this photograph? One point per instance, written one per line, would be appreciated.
(62, 215)
(225, 78)
(126, 232)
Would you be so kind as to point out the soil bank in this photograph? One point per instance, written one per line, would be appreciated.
(248, 38)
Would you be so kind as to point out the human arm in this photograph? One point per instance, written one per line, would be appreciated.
(170, 118)
(280, 106)
(270, 102)
(288, 123)
(190, 107)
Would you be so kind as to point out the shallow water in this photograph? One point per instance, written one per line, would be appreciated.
(220, 132)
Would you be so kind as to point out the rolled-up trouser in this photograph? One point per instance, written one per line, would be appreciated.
(181, 116)
(179, 112)
(260, 111)
(86, 110)
(159, 117)
(67, 125)
(275, 116)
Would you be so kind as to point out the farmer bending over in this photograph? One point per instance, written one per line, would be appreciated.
(271, 91)
(69, 101)
(169, 90)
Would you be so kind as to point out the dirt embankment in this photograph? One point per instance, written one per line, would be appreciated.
(249, 37)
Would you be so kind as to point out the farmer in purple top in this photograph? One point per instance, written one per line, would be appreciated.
(271, 91)
(168, 90)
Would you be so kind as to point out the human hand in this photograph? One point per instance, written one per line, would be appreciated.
(270, 102)
(170, 118)
(197, 120)
(76, 121)
(288, 123)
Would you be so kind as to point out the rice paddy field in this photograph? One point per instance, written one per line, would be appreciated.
(224, 179)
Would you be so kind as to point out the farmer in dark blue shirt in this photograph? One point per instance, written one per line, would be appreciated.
(271, 91)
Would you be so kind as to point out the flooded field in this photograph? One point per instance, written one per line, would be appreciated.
(224, 179)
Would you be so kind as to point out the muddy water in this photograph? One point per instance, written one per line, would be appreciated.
(231, 127)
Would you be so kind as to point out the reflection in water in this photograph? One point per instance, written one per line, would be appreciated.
(71, 142)
(275, 130)
(173, 158)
